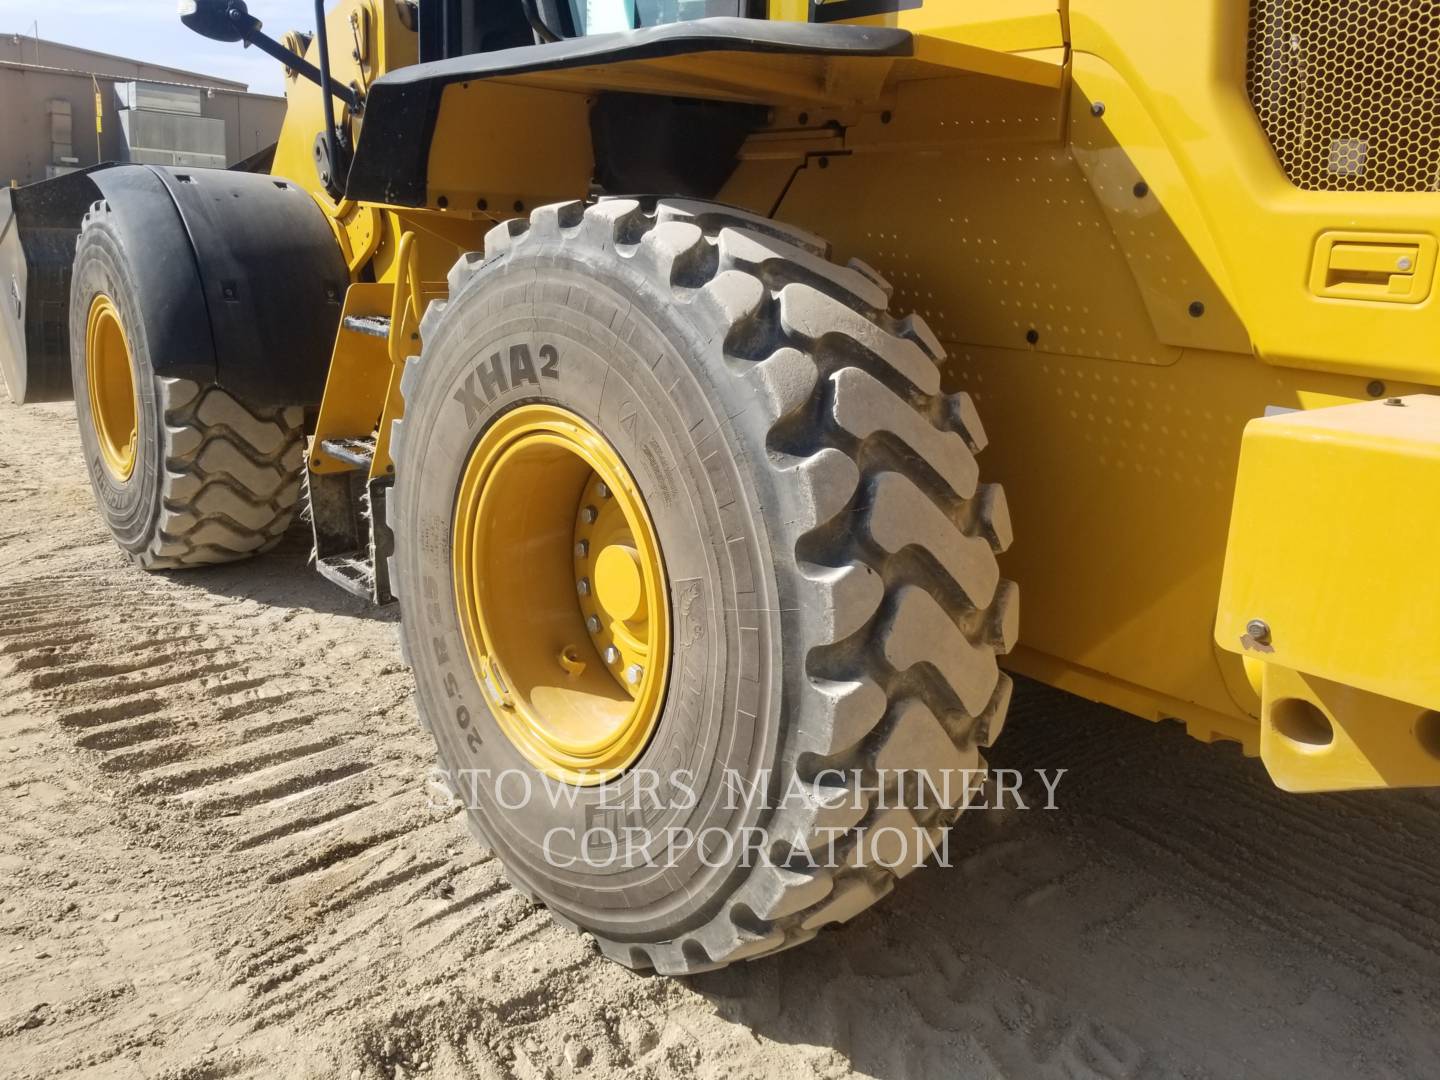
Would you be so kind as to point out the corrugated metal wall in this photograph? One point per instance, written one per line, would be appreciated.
(163, 125)
(28, 128)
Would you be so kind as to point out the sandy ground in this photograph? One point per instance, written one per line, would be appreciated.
(218, 859)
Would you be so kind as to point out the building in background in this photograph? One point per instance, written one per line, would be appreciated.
(50, 94)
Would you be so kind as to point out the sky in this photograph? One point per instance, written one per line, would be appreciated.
(151, 30)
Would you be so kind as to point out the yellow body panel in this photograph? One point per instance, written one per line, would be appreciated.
(384, 44)
(1335, 524)
(1188, 72)
(1095, 217)
(1320, 735)
(482, 158)
(1331, 553)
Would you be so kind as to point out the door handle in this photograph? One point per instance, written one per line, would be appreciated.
(1384, 267)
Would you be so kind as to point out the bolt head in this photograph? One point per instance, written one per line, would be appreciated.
(1404, 263)
(603, 490)
(1258, 631)
(583, 586)
(612, 654)
(1395, 401)
(633, 674)
(582, 549)
(1097, 108)
(588, 515)
(593, 624)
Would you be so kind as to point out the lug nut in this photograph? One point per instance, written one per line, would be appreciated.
(582, 549)
(588, 515)
(602, 490)
(583, 585)
(633, 674)
(593, 624)
(1258, 631)
(612, 654)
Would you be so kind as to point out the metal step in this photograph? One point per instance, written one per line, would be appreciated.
(369, 325)
(355, 576)
(353, 541)
(357, 452)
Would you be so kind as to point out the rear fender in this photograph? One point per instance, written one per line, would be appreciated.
(495, 129)
(242, 276)
(39, 225)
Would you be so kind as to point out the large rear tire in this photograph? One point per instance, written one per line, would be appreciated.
(836, 607)
(185, 473)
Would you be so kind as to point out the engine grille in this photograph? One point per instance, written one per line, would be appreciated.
(1348, 91)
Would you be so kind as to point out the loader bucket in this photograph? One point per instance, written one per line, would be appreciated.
(38, 226)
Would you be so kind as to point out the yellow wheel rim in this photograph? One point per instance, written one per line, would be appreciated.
(110, 379)
(561, 593)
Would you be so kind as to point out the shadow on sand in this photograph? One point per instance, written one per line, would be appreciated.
(1176, 915)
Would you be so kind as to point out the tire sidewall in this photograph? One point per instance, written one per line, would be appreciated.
(607, 345)
(129, 506)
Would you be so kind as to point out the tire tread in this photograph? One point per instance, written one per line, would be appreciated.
(903, 618)
(232, 477)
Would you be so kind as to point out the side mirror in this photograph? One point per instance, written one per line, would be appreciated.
(218, 20)
(230, 20)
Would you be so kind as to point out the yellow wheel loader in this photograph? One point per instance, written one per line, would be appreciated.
(639, 346)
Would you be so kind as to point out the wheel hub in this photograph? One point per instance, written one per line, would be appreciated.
(561, 594)
(110, 380)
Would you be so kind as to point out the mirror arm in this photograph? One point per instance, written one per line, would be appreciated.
(230, 20)
(298, 64)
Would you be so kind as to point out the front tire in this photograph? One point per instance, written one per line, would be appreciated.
(185, 473)
(836, 608)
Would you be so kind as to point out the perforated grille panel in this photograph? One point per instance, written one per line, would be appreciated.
(1349, 91)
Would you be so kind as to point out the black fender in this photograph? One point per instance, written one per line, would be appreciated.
(248, 276)
(391, 163)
